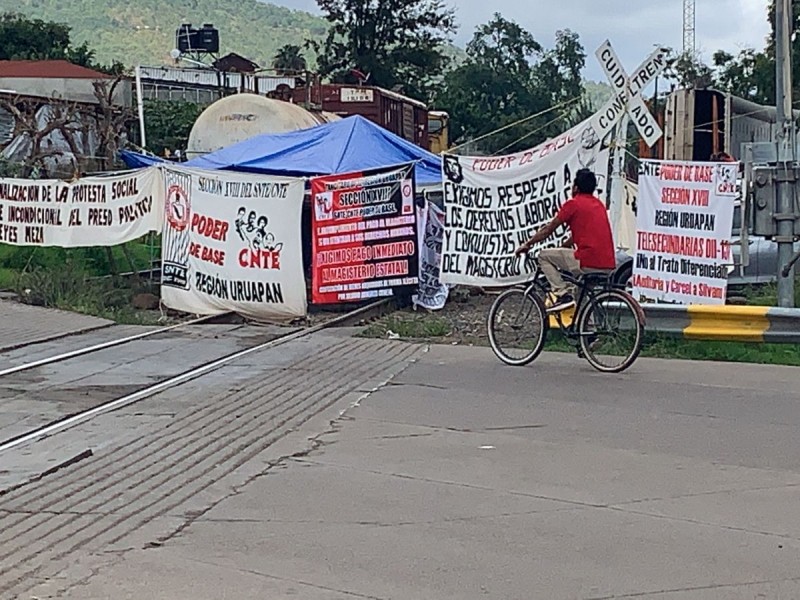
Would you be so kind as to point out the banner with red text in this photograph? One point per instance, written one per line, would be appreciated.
(683, 231)
(91, 211)
(232, 244)
(493, 204)
(364, 235)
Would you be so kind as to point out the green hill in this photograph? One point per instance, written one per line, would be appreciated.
(598, 93)
(143, 31)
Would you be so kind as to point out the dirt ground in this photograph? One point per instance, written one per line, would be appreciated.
(461, 321)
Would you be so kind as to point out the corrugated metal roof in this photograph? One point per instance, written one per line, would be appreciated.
(47, 69)
(6, 126)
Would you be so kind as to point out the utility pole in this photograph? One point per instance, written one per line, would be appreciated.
(785, 214)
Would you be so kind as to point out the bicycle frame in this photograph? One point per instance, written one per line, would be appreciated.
(586, 297)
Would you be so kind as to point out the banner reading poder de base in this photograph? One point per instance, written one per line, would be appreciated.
(493, 204)
(91, 211)
(364, 235)
(232, 244)
(683, 230)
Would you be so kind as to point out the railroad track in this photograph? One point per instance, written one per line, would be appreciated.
(87, 497)
(358, 315)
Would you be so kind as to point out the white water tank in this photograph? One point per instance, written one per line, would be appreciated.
(236, 118)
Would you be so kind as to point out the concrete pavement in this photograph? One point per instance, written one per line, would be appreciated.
(25, 324)
(458, 479)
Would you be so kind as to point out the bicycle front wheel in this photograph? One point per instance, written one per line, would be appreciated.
(517, 325)
(611, 330)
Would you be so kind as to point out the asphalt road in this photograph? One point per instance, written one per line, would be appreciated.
(409, 473)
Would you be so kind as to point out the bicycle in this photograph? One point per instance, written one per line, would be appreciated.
(598, 302)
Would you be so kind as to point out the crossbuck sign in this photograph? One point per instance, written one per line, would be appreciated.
(627, 93)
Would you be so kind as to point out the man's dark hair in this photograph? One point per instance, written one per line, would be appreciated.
(585, 181)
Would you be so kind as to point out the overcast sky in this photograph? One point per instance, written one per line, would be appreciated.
(632, 26)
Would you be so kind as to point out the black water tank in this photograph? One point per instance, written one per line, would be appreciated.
(208, 39)
(186, 38)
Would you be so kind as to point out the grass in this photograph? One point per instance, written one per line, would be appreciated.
(72, 279)
(16, 260)
(767, 294)
(70, 287)
(417, 326)
(663, 346)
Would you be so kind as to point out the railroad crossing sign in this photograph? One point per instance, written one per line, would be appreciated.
(627, 93)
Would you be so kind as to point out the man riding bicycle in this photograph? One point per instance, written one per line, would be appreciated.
(590, 247)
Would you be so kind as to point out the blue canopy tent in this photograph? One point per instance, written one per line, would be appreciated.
(349, 145)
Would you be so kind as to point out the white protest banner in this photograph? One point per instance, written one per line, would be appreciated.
(432, 293)
(493, 204)
(91, 211)
(232, 244)
(683, 230)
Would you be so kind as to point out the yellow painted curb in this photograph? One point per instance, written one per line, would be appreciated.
(729, 323)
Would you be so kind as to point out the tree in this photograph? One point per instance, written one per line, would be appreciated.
(689, 71)
(749, 75)
(169, 123)
(398, 44)
(58, 116)
(113, 120)
(508, 76)
(289, 60)
(32, 39)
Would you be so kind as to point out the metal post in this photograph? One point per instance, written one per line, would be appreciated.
(618, 178)
(654, 149)
(785, 209)
(140, 104)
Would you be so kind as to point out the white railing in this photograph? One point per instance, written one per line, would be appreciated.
(213, 79)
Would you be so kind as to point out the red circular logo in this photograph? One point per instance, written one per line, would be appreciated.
(178, 207)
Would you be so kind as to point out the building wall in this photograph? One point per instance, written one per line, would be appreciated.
(71, 90)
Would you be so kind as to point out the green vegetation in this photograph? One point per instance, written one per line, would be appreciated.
(78, 279)
(143, 31)
(399, 44)
(417, 326)
(437, 328)
(749, 74)
(663, 346)
(71, 288)
(597, 94)
(94, 262)
(767, 295)
(508, 77)
(169, 123)
(23, 38)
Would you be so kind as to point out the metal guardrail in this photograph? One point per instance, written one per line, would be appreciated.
(756, 324)
(726, 323)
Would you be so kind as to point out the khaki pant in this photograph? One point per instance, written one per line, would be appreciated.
(553, 259)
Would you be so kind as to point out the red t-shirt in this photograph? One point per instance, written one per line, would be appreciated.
(591, 232)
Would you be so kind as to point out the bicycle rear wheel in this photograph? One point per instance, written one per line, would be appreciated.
(517, 325)
(611, 330)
